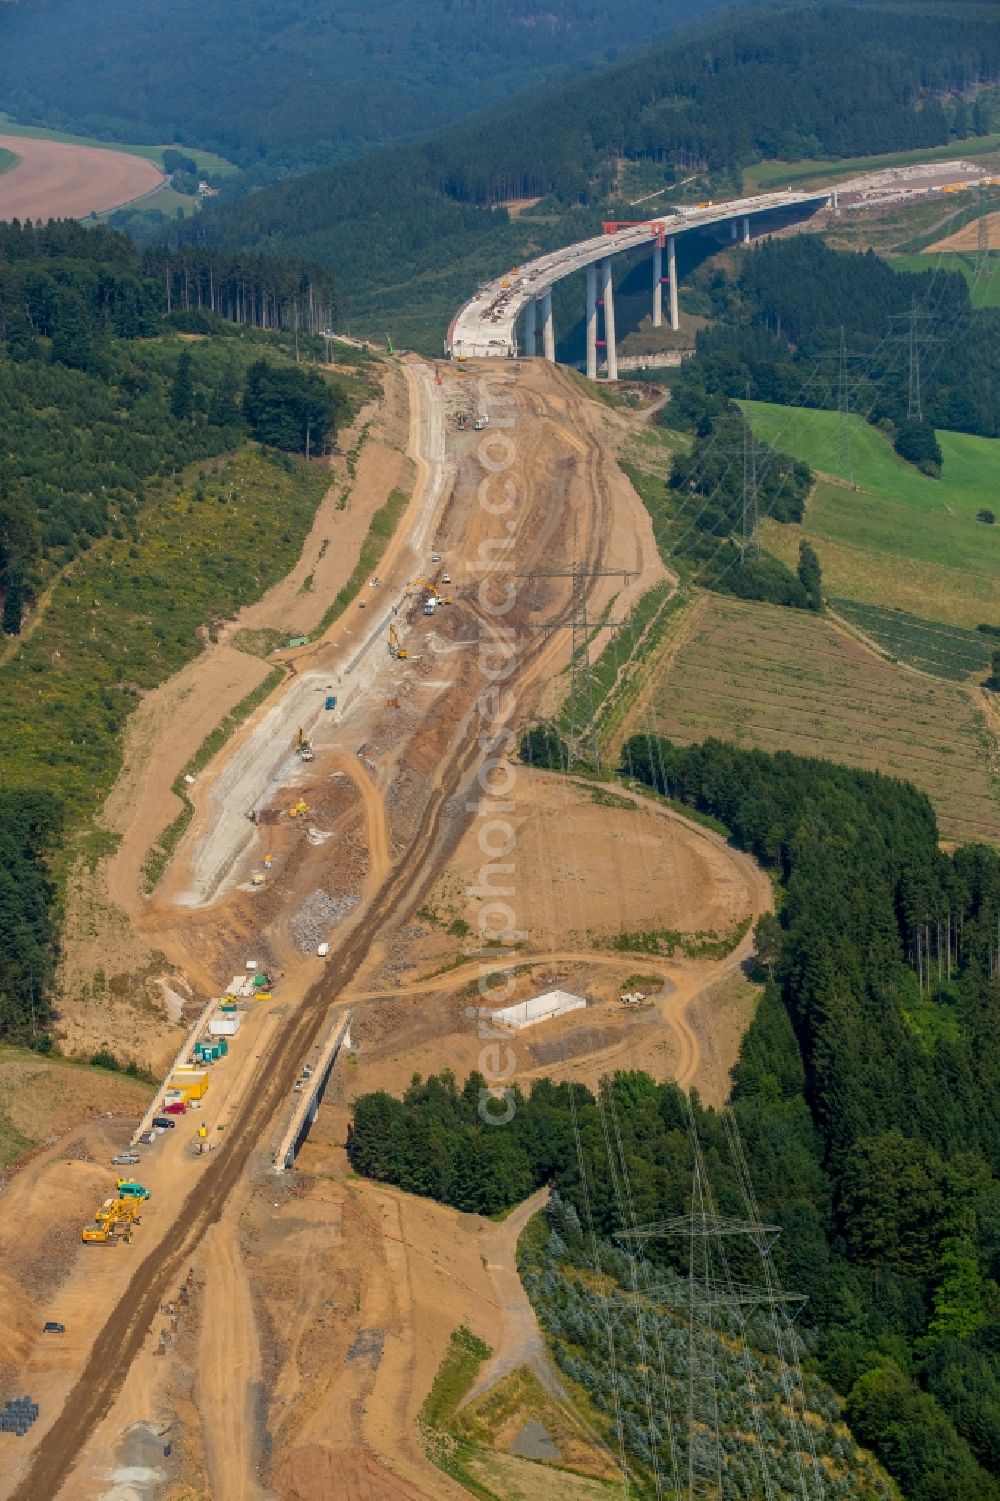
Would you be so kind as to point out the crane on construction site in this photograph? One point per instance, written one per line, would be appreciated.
(395, 650)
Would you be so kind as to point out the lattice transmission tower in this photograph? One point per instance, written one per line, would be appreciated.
(582, 729)
(719, 1308)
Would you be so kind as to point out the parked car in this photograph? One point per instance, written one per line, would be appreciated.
(164, 1122)
(126, 1157)
(176, 1107)
(148, 1137)
(53, 1328)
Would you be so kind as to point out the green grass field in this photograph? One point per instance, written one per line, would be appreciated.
(985, 289)
(783, 679)
(7, 160)
(207, 160)
(901, 539)
(804, 173)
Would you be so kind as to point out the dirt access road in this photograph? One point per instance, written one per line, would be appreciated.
(55, 180)
(571, 498)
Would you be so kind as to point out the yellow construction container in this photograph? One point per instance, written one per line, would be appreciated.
(191, 1086)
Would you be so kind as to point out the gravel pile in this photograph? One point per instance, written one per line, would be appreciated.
(318, 914)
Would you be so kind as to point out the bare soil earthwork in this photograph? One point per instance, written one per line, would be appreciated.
(341, 1297)
(114, 965)
(55, 180)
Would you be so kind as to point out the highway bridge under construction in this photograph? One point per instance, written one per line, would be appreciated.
(486, 327)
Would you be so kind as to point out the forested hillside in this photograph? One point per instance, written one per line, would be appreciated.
(778, 330)
(421, 223)
(103, 406)
(866, 1098)
(290, 86)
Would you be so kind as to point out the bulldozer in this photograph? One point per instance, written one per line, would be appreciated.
(299, 810)
(395, 650)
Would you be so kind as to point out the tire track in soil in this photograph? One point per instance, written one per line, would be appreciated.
(123, 1334)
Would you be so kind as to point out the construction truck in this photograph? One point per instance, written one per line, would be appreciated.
(395, 650)
(303, 747)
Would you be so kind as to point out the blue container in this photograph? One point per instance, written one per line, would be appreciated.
(331, 702)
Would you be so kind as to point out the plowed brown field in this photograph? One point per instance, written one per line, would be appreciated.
(54, 180)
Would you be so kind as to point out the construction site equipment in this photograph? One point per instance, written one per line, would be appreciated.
(392, 703)
(303, 747)
(430, 605)
(395, 650)
(299, 810)
(331, 701)
(462, 421)
(257, 878)
(97, 1234)
(631, 998)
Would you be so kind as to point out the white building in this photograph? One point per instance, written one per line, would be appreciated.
(541, 1009)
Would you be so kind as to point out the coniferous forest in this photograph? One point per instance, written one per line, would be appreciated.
(777, 331)
(835, 80)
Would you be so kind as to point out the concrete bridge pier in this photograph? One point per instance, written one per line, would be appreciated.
(746, 229)
(733, 231)
(529, 328)
(592, 321)
(609, 319)
(548, 328)
(657, 285)
(675, 312)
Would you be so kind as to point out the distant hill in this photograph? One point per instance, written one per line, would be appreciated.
(409, 230)
(296, 83)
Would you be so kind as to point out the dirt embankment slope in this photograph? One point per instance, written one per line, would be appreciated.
(355, 1291)
(56, 180)
(114, 961)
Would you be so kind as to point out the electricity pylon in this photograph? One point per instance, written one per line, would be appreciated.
(582, 727)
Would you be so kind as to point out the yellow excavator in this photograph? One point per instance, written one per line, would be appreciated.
(395, 650)
(299, 811)
(97, 1234)
(303, 747)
